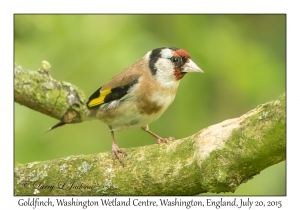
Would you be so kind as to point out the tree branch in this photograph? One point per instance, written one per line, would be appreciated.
(216, 159)
(39, 91)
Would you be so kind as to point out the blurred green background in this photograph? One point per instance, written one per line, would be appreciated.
(243, 57)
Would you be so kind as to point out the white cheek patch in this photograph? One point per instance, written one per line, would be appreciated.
(165, 73)
(166, 53)
(164, 66)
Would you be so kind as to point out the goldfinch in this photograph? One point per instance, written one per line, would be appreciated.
(141, 93)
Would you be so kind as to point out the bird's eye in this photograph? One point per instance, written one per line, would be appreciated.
(174, 59)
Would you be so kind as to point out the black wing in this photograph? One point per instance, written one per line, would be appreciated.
(100, 96)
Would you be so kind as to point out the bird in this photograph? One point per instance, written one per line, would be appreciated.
(140, 94)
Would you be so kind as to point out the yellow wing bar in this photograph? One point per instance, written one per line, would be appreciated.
(100, 99)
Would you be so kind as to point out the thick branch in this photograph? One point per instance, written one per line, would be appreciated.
(216, 159)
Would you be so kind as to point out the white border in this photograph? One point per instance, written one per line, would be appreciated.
(8, 8)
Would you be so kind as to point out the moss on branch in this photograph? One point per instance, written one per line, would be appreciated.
(39, 91)
(216, 159)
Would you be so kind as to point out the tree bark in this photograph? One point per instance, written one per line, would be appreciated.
(216, 159)
(39, 91)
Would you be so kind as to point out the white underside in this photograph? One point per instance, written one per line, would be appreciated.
(129, 117)
(126, 112)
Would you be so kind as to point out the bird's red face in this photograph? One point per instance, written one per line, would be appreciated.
(180, 54)
(178, 74)
(169, 64)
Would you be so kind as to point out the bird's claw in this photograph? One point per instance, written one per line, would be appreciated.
(116, 153)
(164, 140)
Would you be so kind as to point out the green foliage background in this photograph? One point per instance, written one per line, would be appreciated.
(243, 57)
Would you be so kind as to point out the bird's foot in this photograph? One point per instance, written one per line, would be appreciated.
(157, 137)
(116, 153)
(164, 140)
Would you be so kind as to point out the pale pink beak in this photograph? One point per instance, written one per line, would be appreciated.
(190, 66)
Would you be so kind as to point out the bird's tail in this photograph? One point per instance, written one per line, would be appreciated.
(56, 126)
